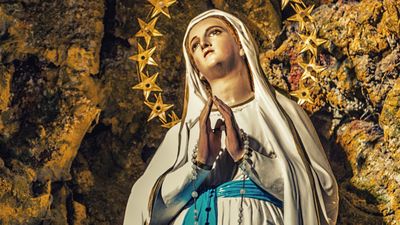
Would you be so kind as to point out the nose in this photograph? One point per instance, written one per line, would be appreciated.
(204, 43)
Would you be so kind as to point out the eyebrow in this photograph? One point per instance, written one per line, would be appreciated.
(209, 28)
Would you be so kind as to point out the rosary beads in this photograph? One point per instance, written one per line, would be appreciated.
(197, 165)
(194, 178)
(242, 167)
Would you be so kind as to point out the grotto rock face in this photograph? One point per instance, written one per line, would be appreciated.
(74, 136)
(356, 101)
(50, 55)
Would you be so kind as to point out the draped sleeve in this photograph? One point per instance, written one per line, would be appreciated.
(326, 190)
(144, 190)
(177, 186)
(264, 169)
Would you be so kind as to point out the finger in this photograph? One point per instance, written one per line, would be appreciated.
(205, 113)
(208, 107)
(232, 129)
(225, 111)
(217, 131)
(219, 126)
(208, 125)
(208, 111)
(222, 104)
(233, 140)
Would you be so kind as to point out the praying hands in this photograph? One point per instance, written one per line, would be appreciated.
(210, 139)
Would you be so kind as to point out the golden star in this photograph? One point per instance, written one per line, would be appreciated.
(158, 108)
(285, 2)
(311, 70)
(161, 6)
(174, 120)
(303, 15)
(147, 30)
(144, 57)
(147, 84)
(311, 42)
(303, 95)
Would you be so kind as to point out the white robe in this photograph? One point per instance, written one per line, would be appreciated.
(310, 189)
(263, 160)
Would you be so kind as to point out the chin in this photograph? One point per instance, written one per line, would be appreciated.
(214, 61)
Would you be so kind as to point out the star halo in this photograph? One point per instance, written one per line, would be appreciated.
(144, 57)
(147, 84)
(158, 108)
(147, 30)
(311, 69)
(161, 6)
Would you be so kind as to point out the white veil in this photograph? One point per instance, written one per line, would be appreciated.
(310, 189)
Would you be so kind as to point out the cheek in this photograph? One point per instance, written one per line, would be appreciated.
(196, 63)
(227, 46)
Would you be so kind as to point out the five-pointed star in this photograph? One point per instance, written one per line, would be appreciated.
(285, 2)
(303, 15)
(147, 30)
(311, 70)
(303, 95)
(161, 6)
(147, 84)
(311, 42)
(144, 57)
(158, 108)
(174, 120)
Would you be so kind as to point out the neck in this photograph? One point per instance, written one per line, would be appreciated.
(233, 87)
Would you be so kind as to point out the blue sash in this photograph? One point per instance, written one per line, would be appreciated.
(207, 201)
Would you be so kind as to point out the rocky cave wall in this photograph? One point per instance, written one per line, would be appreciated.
(73, 136)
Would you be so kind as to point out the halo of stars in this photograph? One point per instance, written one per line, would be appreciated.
(310, 43)
(147, 83)
(143, 58)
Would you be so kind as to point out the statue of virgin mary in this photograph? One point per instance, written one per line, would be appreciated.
(278, 174)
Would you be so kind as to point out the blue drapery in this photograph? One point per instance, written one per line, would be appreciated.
(207, 201)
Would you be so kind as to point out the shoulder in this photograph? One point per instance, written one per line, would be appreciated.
(290, 106)
(295, 112)
(174, 130)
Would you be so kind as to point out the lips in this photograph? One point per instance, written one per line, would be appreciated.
(207, 51)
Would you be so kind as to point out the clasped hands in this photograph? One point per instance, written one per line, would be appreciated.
(210, 139)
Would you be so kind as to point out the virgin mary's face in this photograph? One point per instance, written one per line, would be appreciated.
(213, 47)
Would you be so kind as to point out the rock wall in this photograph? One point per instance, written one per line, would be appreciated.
(356, 101)
(73, 136)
